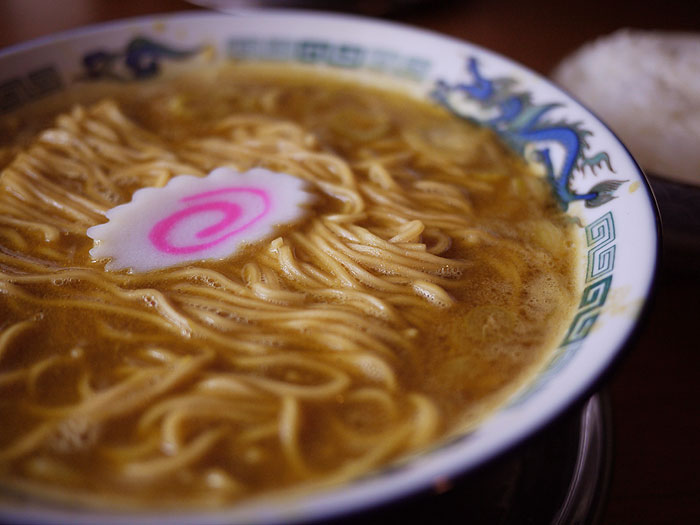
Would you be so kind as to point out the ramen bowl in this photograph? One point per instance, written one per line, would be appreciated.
(590, 173)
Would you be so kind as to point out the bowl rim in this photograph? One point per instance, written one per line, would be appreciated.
(367, 499)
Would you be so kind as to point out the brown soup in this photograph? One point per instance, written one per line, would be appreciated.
(432, 280)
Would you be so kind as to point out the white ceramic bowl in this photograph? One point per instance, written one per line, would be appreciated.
(592, 174)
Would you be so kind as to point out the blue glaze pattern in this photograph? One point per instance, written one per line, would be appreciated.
(141, 57)
(523, 124)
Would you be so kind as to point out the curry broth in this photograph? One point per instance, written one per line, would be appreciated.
(513, 293)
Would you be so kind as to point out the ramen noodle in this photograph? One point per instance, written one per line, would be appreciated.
(429, 280)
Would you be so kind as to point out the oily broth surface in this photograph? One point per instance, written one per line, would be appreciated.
(514, 290)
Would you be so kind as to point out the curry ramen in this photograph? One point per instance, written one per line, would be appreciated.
(429, 280)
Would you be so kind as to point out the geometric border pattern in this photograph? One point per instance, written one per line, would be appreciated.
(17, 91)
(601, 261)
(593, 299)
(600, 237)
(601, 231)
(347, 56)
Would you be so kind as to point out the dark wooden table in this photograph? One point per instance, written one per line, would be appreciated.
(655, 390)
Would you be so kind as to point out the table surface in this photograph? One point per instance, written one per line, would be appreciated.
(654, 390)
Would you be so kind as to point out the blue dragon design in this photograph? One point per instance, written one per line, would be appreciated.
(521, 123)
(141, 56)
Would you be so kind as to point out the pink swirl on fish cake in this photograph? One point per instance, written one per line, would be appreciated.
(231, 211)
(194, 219)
